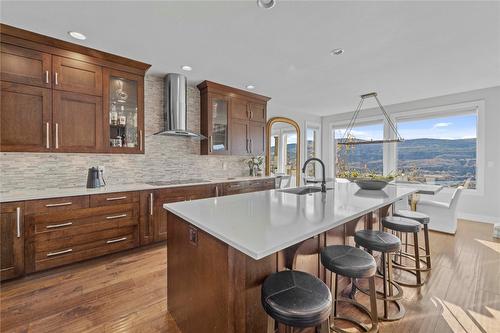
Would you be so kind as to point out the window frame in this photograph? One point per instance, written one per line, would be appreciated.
(366, 121)
(457, 109)
(316, 127)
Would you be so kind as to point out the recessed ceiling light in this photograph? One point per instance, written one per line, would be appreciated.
(77, 35)
(266, 4)
(337, 52)
(250, 87)
(187, 68)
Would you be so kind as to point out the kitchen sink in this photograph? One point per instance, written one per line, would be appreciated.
(303, 190)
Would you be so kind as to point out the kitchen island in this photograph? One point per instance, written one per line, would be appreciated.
(221, 249)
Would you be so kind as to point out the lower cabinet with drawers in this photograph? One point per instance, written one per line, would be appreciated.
(47, 233)
(65, 235)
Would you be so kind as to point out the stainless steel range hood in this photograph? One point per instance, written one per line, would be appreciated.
(175, 108)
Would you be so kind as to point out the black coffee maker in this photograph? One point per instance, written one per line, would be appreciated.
(95, 177)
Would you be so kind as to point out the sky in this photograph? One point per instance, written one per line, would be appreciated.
(450, 128)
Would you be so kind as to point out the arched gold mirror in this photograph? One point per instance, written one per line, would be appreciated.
(283, 150)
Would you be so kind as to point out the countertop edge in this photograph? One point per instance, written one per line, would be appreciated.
(262, 254)
(78, 191)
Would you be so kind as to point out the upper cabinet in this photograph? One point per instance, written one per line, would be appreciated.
(233, 120)
(63, 97)
(77, 76)
(124, 111)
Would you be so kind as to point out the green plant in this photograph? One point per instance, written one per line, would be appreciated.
(257, 161)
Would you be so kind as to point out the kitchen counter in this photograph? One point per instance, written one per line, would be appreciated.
(48, 193)
(262, 223)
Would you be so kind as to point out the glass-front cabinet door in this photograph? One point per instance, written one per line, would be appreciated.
(124, 112)
(218, 136)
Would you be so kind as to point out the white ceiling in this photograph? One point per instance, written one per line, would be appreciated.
(403, 50)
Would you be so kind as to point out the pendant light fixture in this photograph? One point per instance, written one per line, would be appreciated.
(349, 139)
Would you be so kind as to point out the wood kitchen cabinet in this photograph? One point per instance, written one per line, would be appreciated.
(26, 66)
(57, 96)
(77, 122)
(25, 118)
(243, 122)
(154, 216)
(123, 112)
(77, 76)
(12, 240)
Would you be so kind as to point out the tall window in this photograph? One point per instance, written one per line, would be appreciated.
(312, 148)
(439, 150)
(361, 157)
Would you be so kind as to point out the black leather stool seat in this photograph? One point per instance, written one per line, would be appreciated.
(348, 261)
(417, 216)
(402, 224)
(296, 299)
(376, 240)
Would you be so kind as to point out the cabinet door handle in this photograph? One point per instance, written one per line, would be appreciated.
(52, 226)
(210, 143)
(50, 254)
(57, 136)
(140, 140)
(111, 241)
(247, 147)
(56, 80)
(46, 76)
(116, 198)
(216, 191)
(251, 114)
(47, 138)
(59, 204)
(18, 222)
(251, 146)
(151, 204)
(115, 216)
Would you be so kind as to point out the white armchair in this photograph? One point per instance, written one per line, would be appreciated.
(443, 214)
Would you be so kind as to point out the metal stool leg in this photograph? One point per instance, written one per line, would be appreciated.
(427, 246)
(373, 304)
(417, 258)
(384, 280)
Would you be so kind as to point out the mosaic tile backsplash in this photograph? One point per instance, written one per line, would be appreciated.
(165, 158)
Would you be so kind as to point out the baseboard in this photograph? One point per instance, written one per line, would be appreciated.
(478, 218)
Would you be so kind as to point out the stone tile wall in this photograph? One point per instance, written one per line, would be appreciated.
(165, 158)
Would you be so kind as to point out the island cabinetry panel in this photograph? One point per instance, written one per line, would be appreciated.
(52, 97)
(66, 235)
(11, 240)
(232, 119)
(230, 289)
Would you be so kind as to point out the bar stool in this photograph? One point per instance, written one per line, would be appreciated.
(424, 220)
(296, 299)
(351, 262)
(387, 244)
(401, 224)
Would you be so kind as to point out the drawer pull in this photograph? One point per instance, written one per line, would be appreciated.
(59, 204)
(51, 254)
(115, 216)
(111, 241)
(18, 222)
(116, 198)
(52, 226)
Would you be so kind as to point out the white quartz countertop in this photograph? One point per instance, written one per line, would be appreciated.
(262, 223)
(23, 195)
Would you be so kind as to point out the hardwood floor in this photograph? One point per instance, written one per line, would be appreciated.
(127, 292)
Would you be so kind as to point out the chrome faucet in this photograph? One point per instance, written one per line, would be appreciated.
(323, 182)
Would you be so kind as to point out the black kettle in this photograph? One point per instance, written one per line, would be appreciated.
(95, 177)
